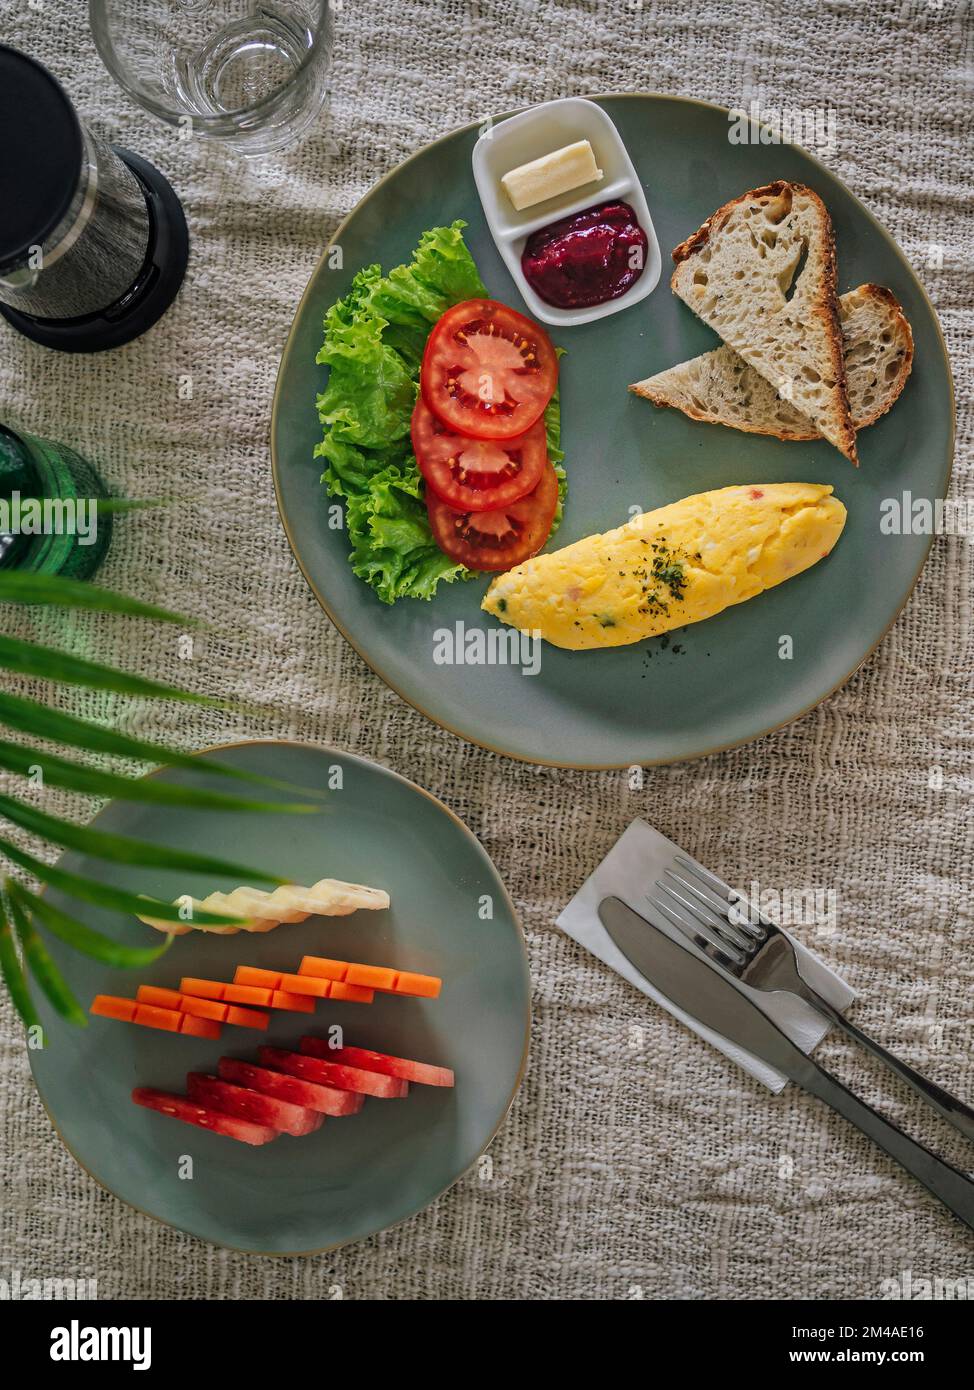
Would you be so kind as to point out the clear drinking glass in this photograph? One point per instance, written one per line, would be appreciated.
(252, 75)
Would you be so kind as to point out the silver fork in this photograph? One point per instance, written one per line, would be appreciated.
(759, 954)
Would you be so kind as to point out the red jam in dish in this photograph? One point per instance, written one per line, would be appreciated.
(588, 258)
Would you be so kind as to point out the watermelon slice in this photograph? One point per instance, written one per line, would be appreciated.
(420, 1072)
(325, 1099)
(251, 1105)
(181, 1108)
(369, 1083)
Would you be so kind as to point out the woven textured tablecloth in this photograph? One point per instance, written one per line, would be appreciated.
(679, 1178)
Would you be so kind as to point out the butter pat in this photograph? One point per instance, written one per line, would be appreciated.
(554, 173)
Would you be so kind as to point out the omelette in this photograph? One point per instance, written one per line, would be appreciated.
(666, 568)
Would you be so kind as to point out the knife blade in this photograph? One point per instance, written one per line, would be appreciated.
(696, 987)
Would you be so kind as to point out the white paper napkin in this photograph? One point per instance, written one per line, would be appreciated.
(628, 872)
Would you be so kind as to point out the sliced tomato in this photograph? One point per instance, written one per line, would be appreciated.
(476, 475)
(487, 370)
(500, 539)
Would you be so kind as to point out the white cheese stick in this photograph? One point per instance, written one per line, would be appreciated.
(554, 173)
(262, 911)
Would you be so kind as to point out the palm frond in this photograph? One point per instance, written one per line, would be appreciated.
(13, 975)
(22, 951)
(105, 895)
(61, 772)
(43, 968)
(40, 721)
(19, 586)
(84, 939)
(29, 659)
(119, 848)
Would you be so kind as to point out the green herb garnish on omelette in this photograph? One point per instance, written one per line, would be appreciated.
(374, 342)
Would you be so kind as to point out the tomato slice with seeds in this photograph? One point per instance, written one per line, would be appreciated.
(496, 540)
(487, 370)
(477, 475)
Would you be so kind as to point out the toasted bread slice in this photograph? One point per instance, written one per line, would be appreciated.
(761, 273)
(721, 388)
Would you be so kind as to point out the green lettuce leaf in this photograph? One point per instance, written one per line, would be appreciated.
(374, 341)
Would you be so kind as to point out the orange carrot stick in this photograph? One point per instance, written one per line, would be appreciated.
(305, 984)
(247, 1018)
(211, 1009)
(251, 975)
(198, 1027)
(422, 986)
(294, 1003)
(323, 969)
(372, 977)
(354, 994)
(202, 989)
(110, 1006)
(151, 1016)
(163, 998)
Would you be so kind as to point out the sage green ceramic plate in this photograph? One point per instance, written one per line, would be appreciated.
(727, 682)
(357, 1174)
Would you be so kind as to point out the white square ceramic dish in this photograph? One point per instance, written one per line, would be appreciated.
(538, 132)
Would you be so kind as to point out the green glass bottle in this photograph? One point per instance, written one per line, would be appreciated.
(50, 518)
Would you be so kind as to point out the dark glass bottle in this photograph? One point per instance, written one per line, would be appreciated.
(52, 520)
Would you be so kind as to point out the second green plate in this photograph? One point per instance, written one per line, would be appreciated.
(721, 682)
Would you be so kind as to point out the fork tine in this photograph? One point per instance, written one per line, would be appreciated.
(698, 909)
(754, 930)
(703, 936)
(717, 886)
(722, 889)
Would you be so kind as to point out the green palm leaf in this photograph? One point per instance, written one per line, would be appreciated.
(121, 850)
(41, 722)
(104, 895)
(43, 969)
(28, 659)
(85, 939)
(13, 976)
(17, 586)
(61, 772)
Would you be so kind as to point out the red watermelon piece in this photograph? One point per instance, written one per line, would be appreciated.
(325, 1099)
(251, 1105)
(421, 1072)
(369, 1083)
(182, 1108)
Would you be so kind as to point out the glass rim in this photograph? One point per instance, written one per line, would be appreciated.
(226, 124)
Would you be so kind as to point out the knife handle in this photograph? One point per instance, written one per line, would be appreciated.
(954, 1111)
(951, 1186)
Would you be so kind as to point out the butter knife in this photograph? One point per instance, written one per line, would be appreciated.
(694, 986)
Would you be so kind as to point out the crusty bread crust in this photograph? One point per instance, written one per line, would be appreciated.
(669, 389)
(880, 292)
(823, 307)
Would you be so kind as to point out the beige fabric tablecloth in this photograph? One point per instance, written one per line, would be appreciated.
(679, 1178)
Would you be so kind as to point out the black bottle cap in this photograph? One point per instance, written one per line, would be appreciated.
(42, 144)
(147, 300)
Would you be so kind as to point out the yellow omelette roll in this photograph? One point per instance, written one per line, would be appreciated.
(676, 565)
